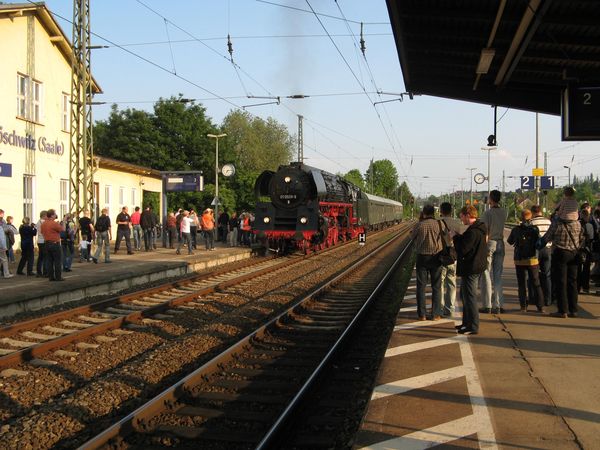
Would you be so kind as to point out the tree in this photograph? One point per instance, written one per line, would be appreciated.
(383, 176)
(256, 144)
(354, 176)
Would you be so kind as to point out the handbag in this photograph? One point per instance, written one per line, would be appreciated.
(447, 255)
(582, 253)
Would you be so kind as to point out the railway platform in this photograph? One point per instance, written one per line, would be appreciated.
(26, 293)
(527, 380)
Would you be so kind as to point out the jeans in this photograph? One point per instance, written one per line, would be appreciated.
(103, 241)
(137, 237)
(564, 277)
(4, 262)
(232, 237)
(123, 233)
(186, 239)
(545, 259)
(449, 287)
(209, 239)
(491, 285)
(84, 255)
(429, 265)
(41, 265)
(194, 236)
(148, 239)
(468, 291)
(54, 255)
(67, 254)
(26, 258)
(533, 274)
(172, 234)
(583, 275)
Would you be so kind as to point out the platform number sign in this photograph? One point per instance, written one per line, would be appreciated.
(527, 183)
(581, 112)
(547, 182)
(362, 238)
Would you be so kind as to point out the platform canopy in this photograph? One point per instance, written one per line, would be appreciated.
(512, 53)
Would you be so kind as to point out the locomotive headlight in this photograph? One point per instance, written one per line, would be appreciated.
(288, 179)
(266, 219)
(303, 220)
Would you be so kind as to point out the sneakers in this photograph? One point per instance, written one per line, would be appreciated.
(434, 318)
(495, 310)
(10, 275)
(485, 310)
(422, 318)
(458, 327)
(95, 260)
(524, 309)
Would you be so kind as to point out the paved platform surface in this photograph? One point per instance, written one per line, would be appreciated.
(526, 381)
(23, 293)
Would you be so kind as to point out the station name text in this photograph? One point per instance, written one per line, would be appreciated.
(29, 142)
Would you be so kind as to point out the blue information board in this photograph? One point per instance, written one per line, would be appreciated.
(5, 170)
(183, 182)
(527, 183)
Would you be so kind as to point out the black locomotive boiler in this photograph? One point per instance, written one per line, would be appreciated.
(304, 208)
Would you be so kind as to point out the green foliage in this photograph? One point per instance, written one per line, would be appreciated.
(354, 176)
(173, 137)
(382, 176)
(254, 144)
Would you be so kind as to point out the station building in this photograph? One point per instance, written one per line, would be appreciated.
(35, 86)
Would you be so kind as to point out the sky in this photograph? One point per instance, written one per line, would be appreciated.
(158, 49)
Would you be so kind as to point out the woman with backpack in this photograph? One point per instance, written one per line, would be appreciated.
(524, 238)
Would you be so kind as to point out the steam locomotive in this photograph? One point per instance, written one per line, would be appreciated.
(304, 208)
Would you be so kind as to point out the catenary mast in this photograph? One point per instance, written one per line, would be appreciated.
(81, 160)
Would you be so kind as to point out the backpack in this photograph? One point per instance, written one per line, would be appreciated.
(448, 254)
(525, 242)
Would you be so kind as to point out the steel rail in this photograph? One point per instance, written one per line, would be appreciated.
(138, 420)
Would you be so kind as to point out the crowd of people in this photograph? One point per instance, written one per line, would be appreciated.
(553, 259)
(56, 241)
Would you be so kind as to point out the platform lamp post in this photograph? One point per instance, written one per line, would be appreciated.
(216, 137)
(569, 169)
(471, 169)
(491, 145)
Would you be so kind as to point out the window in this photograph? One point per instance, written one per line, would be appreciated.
(133, 197)
(107, 196)
(29, 98)
(65, 112)
(122, 197)
(64, 197)
(36, 101)
(28, 196)
(22, 88)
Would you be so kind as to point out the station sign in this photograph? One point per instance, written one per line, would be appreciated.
(5, 170)
(362, 238)
(581, 112)
(547, 182)
(183, 181)
(527, 183)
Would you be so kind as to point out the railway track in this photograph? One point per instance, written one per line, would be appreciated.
(32, 340)
(243, 397)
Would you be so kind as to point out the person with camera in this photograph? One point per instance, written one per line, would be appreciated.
(567, 237)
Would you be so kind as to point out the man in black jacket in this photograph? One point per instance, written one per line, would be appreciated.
(148, 222)
(123, 230)
(103, 236)
(471, 248)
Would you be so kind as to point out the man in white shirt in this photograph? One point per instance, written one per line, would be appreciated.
(185, 233)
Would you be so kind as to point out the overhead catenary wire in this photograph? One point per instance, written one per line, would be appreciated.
(183, 78)
(320, 14)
